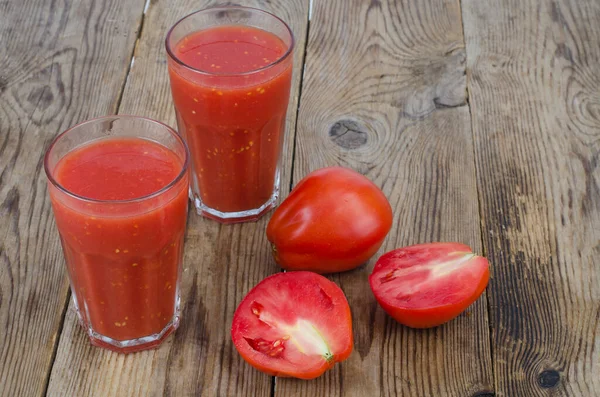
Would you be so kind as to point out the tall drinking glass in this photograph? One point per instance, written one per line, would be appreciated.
(230, 70)
(118, 187)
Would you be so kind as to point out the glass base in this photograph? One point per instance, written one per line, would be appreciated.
(132, 345)
(234, 217)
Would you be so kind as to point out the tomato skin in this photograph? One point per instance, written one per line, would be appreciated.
(453, 293)
(334, 220)
(285, 299)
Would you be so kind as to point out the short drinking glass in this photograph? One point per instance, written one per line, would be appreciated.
(230, 70)
(118, 187)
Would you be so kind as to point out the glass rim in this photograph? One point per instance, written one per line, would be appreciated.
(279, 60)
(175, 181)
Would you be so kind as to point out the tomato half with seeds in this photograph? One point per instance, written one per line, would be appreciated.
(426, 285)
(334, 220)
(294, 324)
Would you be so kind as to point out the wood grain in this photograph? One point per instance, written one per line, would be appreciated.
(221, 264)
(60, 63)
(534, 81)
(384, 93)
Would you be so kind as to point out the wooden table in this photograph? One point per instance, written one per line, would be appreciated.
(479, 119)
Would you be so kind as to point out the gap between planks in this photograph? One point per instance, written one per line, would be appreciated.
(297, 110)
(56, 341)
(116, 111)
(479, 198)
(132, 58)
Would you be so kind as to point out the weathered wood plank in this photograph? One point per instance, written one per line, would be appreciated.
(534, 79)
(60, 63)
(385, 93)
(222, 263)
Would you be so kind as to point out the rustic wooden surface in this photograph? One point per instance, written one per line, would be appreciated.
(490, 138)
(534, 69)
(221, 264)
(395, 110)
(59, 64)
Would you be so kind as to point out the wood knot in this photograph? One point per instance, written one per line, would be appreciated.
(548, 379)
(437, 82)
(3, 84)
(48, 90)
(563, 51)
(348, 134)
(484, 394)
(236, 13)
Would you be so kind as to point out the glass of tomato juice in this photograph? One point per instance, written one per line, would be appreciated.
(118, 187)
(230, 70)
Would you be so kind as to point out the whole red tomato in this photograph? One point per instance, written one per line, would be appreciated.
(334, 220)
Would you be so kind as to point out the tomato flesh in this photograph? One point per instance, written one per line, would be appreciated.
(426, 285)
(294, 324)
(334, 220)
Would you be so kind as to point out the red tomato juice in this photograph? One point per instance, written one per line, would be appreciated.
(123, 258)
(231, 100)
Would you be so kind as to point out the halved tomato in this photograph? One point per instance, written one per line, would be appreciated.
(426, 285)
(294, 324)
